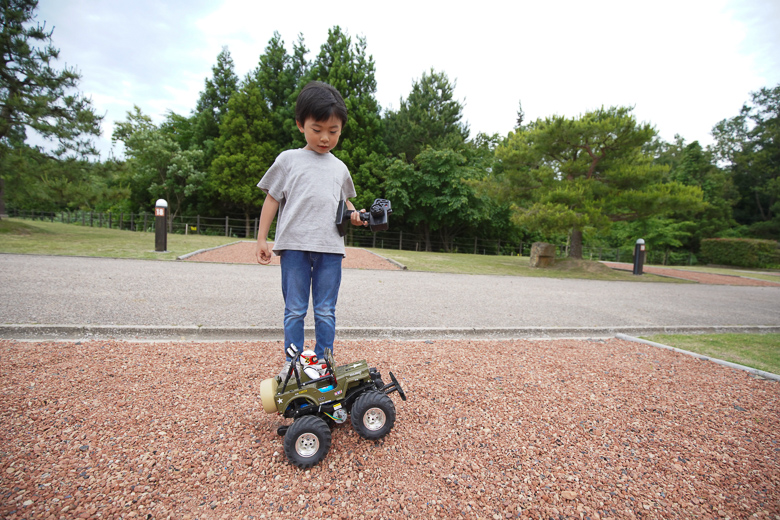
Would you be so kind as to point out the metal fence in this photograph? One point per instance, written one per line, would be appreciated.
(357, 237)
(145, 221)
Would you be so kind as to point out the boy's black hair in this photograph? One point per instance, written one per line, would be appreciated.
(320, 101)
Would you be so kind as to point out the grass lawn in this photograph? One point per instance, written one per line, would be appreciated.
(761, 351)
(54, 238)
(512, 266)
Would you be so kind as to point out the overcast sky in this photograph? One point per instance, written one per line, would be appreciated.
(684, 64)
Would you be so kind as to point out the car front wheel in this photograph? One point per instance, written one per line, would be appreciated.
(307, 441)
(373, 415)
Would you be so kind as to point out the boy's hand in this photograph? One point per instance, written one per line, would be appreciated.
(355, 218)
(263, 252)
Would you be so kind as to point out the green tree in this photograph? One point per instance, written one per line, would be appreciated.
(433, 194)
(584, 173)
(212, 104)
(157, 166)
(278, 76)
(429, 117)
(749, 144)
(33, 94)
(245, 150)
(351, 70)
(696, 167)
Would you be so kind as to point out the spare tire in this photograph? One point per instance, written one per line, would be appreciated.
(268, 394)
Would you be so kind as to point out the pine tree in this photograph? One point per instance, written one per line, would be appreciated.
(212, 105)
(33, 94)
(350, 70)
(244, 151)
(569, 175)
(278, 76)
(429, 117)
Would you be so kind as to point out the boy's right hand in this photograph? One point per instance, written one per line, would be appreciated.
(263, 252)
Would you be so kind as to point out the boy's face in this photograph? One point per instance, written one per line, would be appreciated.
(321, 136)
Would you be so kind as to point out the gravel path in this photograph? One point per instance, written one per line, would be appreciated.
(531, 429)
(244, 253)
(706, 278)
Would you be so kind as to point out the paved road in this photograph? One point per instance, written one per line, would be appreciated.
(66, 297)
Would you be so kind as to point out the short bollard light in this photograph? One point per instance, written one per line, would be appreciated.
(639, 256)
(160, 226)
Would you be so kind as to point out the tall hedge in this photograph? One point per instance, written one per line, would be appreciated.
(740, 252)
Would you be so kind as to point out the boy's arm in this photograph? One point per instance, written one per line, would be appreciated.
(355, 217)
(270, 207)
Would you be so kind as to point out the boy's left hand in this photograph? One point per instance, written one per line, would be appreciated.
(355, 218)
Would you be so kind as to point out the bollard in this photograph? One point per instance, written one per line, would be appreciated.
(160, 228)
(639, 256)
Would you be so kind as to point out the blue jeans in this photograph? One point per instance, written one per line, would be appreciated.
(319, 273)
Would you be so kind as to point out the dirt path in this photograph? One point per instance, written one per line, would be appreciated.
(244, 253)
(705, 278)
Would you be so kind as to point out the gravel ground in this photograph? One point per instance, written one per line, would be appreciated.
(244, 253)
(708, 278)
(533, 429)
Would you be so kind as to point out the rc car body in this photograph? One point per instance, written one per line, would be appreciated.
(354, 390)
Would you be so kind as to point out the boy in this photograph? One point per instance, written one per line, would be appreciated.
(305, 187)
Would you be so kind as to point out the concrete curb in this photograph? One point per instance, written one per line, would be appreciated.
(399, 264)
(754, 371)
(199, 251)
(38, 332)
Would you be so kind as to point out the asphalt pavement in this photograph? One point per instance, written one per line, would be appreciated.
(54, 297)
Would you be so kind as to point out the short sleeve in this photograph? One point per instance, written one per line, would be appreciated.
(273, 182)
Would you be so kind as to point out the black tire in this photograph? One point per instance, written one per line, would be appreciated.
(307, 441)
(373, 415)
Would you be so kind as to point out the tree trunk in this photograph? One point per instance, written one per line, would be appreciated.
(426, 229)
(2, 197)
(248, 224)
(575, 251)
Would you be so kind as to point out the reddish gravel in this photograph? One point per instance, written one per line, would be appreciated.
(532, 429)
(244, 253)
(707, 278)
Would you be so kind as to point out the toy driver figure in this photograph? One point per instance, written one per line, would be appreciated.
(310, 366)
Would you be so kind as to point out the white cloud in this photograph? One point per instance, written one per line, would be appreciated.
(684, 65)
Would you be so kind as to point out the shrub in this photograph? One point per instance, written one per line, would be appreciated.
(741, 252)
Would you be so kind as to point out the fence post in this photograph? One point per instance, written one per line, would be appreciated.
(198, 224)
(226, 227)
(400, 240)
(475, 245)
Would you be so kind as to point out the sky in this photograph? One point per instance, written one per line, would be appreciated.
(684, 64)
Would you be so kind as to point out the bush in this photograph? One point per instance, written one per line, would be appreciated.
(741, 252)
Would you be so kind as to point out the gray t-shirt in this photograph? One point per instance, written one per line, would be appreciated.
(308, 186)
